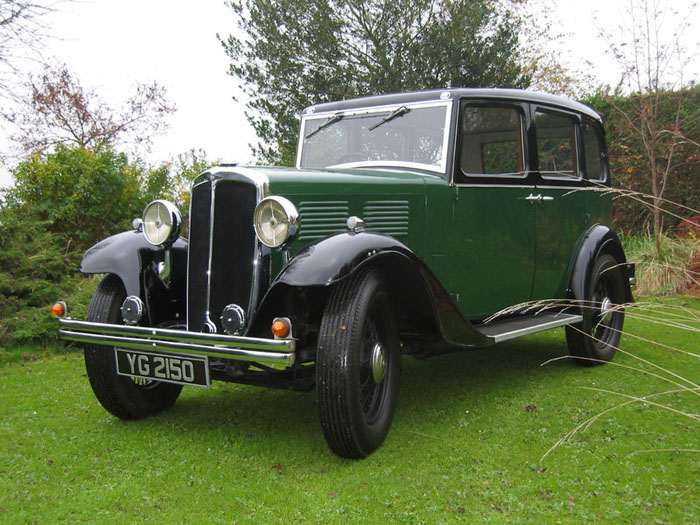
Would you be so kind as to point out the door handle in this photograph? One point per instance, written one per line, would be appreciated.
(538, 198)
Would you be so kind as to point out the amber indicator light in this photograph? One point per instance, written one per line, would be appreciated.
(58, 310)
(280, 329)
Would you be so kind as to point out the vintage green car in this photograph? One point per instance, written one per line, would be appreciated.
(412, 223)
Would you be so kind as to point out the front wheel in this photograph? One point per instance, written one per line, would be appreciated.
(122, 396)
(596, 338)
(357, 366)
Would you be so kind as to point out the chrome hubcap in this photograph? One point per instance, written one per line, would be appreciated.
(378, 362)
(606, 312)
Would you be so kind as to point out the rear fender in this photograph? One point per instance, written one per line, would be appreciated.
(597, 240)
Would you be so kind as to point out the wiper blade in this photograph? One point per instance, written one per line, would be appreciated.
(391, 116)
(331, 120)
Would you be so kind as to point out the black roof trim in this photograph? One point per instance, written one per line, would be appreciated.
(455, 93)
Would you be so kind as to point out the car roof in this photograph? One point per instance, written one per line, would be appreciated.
(455, 93)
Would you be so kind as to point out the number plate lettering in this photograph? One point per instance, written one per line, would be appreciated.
(180, 369)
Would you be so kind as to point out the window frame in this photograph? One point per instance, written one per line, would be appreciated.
(549, 179)
(460, 178)
(371, 110)
(600, 134)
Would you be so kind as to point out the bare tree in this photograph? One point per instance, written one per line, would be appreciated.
(648, 46)
(58, 110)
(23, 27)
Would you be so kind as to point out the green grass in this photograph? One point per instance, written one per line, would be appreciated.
(466, 444)
(671, 273)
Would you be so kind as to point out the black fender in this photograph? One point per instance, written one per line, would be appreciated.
(135, 261)
(597, 240)
(421, 300)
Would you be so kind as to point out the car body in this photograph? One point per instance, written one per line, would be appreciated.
(412, 223)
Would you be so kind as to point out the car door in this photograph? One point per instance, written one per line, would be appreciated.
(561, 214)
(493, 228)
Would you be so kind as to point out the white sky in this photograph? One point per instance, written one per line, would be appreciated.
(111, 45)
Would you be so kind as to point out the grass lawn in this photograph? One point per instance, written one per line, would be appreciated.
(466, 444)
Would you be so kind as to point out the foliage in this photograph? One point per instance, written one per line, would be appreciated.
(677, 119)
(465, 445)
(181, 172)
(674, 272)
(35, 270)
(297, 53)
(646, 46)
(58, 110)
(62, 203)
(82, 194)
(542, 44)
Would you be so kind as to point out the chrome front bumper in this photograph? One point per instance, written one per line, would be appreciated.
(263, 351)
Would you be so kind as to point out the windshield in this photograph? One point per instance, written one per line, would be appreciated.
(407, 135)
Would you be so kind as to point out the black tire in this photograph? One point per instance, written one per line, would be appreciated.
(355, 408)
(596, 338)
(122, 396)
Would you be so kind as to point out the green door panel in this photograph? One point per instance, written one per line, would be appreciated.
(493, 248)
(599, 206)
(561, 220)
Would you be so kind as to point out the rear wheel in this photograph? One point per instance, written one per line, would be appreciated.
(122, 396)
(357, 366)
(595, 339)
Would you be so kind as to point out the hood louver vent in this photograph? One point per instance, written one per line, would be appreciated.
(388, 217)
(320, 219)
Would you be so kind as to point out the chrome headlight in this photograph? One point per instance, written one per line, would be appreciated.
(162, 223)
(276, 221)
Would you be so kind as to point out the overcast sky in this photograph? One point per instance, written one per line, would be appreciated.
(112, 45)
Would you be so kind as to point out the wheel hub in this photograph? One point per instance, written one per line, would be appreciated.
(606, 310)
(378, 362)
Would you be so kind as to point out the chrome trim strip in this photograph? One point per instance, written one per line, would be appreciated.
(567, 189)
(208, 322)
(200, 179)
(165, 268)
(379, 164)
(264, 351)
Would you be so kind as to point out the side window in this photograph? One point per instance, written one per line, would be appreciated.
(593, 149)
(556, 145)
(492, 142)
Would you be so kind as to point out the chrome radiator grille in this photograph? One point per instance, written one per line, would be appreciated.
(221, 251)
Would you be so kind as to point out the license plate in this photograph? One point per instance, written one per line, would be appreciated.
(192, 370)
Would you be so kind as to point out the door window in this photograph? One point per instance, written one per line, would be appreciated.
(491, 141)
(593, 151)
(556, 145)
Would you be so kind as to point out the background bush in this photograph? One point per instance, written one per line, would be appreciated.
(62, 203)
(630, 166)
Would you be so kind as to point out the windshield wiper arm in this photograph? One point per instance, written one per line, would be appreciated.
(331, 120)
(391, 116)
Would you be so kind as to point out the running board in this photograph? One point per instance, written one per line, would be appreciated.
(511, 328)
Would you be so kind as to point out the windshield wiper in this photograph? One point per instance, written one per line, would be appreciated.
(331, 120)
(391, 116)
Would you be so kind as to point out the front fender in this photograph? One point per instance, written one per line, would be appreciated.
(336, 257)
(418, 294)
(131, 258)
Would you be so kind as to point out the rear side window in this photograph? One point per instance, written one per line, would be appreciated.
(594, 152)
(492, 141)
(556, 145)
